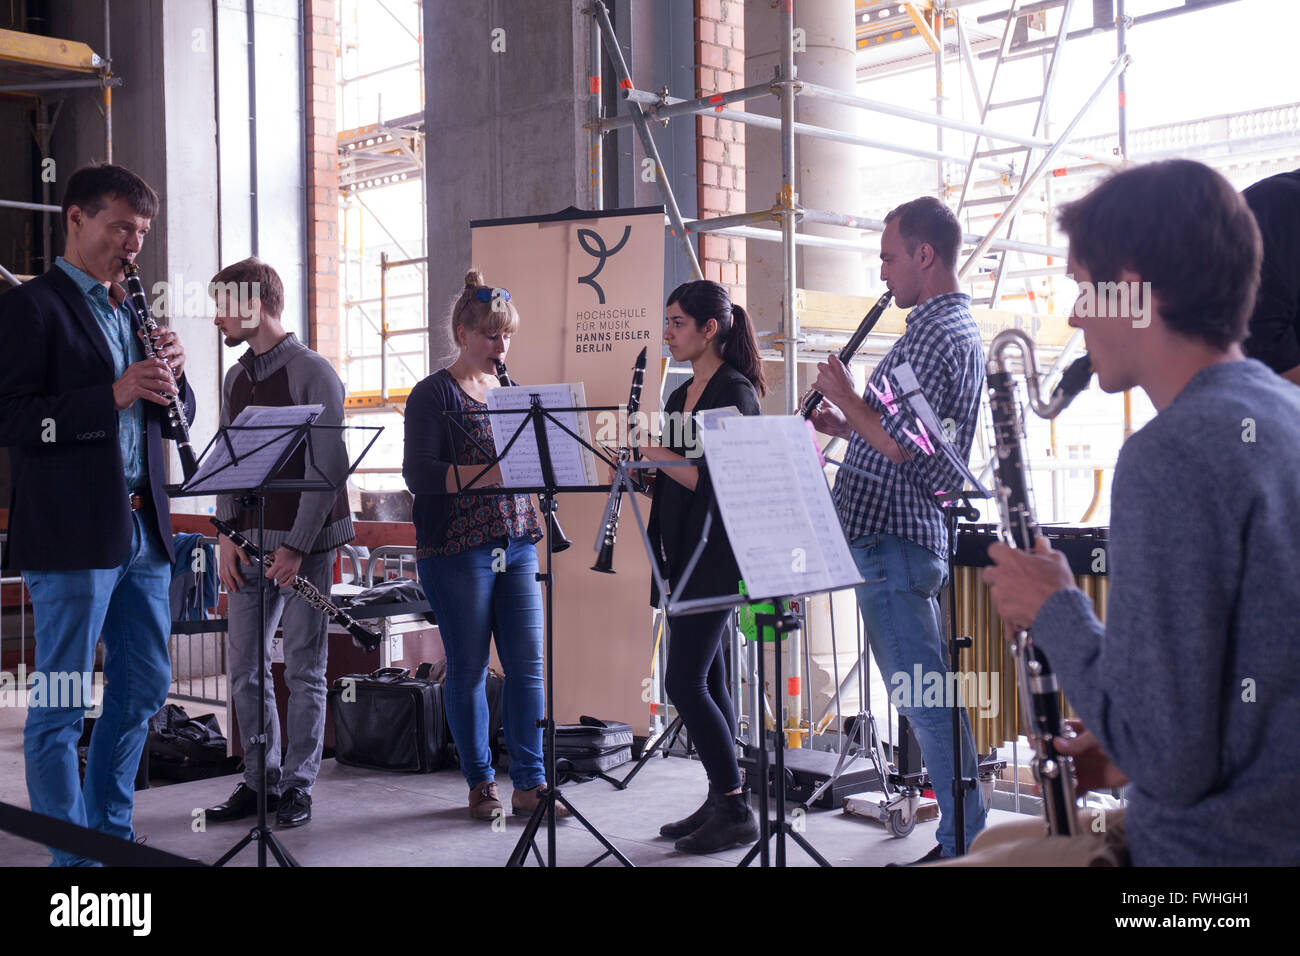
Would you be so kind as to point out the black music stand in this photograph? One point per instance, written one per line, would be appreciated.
(537, 417)
(953, 511)
(781, 622)
(247, 473)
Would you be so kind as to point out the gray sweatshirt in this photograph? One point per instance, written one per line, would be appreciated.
(292, 374)
(1192, 685)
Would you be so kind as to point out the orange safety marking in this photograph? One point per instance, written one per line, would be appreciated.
(792, 686)
(593, 84)
(1060, 171)
(1123, 98)
(717, 98)
(625, 85)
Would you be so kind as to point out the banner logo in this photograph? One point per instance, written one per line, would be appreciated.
(586, 239)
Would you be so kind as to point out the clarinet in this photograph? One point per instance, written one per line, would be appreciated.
(813, 398)
(559, 542)
(605, 543)
(1038, 688)
(364, 638)
(175, 412)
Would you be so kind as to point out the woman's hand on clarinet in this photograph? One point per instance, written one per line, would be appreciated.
(284, 565)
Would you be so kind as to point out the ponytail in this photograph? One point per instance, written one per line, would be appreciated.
(740, 350)
(735, 342)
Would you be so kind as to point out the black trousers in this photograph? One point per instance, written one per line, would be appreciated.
(696, 680)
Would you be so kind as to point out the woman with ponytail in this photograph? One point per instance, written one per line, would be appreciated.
(461, 540)
(703, 327)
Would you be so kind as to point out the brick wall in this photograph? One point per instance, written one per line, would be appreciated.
(324, 317)
(720, 157)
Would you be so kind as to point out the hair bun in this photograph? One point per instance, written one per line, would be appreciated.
(474, 279)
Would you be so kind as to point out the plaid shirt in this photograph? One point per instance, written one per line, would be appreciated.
(942, 344)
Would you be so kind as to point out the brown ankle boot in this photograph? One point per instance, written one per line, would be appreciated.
(524, 802)
(484, 801)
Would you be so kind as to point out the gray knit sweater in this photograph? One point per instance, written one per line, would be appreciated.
(311, 380)
(1193, 683)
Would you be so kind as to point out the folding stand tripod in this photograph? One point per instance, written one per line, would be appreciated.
(273, 454)
(781, 623)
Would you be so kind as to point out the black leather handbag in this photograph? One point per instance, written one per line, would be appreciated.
(389, 720)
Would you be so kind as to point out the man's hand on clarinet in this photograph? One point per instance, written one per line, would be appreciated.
(829, 420)
(229, 558)
(1020, 581)
(285, 563)
(150, 379)
(167, 346)
(1093, 769)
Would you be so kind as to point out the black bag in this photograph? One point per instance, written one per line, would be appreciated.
(389, 720)
(591, 747)
(394, 591)
(181, 747)
(591, 737)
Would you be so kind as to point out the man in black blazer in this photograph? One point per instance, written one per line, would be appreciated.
(84, 416)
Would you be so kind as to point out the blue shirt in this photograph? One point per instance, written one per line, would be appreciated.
(942, 345)
(115, 322)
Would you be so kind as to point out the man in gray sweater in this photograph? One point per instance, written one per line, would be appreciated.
(303, 532)
(1188, 689)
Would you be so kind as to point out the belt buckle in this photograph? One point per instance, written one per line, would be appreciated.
(135, 500)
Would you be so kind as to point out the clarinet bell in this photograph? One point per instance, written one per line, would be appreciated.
(605, 559)
(365, 638)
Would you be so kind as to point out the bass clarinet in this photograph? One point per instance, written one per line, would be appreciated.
(605, 544)
(814, 398)
(364, 638)
(175, 411)
(1039, 700)
(560, 543)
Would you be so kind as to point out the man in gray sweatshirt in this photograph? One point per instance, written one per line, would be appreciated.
(303, 531)
(1188, 689)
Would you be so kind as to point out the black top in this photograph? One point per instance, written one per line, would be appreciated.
(1274, 336)
(677, 515)
(433, 444)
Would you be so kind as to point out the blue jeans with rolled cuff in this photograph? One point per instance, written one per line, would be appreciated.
(900, 611)
(477, 595)
(128, 607)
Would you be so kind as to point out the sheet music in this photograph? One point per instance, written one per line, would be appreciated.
(574, 464)
(257, 449)
(920, 405)
(776, 506)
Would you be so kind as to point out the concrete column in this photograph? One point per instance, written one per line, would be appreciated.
(505, 100)
(826, 177)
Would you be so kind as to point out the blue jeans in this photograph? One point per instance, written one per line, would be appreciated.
(128, 607)
(473, 601)
(901, 613)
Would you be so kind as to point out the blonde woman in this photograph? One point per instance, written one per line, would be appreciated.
(460, 538)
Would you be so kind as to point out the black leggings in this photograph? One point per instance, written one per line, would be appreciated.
(696, 680)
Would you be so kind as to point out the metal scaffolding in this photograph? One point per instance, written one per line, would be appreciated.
(645, 107)
(37, 66)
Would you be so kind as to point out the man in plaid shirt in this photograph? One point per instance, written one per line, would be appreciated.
(895, 525)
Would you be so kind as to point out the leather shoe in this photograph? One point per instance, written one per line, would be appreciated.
(241, 803)
(932, 857)
(295, 808)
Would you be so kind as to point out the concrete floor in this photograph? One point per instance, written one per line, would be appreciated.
(367, 818)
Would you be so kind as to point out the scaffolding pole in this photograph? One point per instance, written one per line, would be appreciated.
(1044, 164)
(647, 140)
